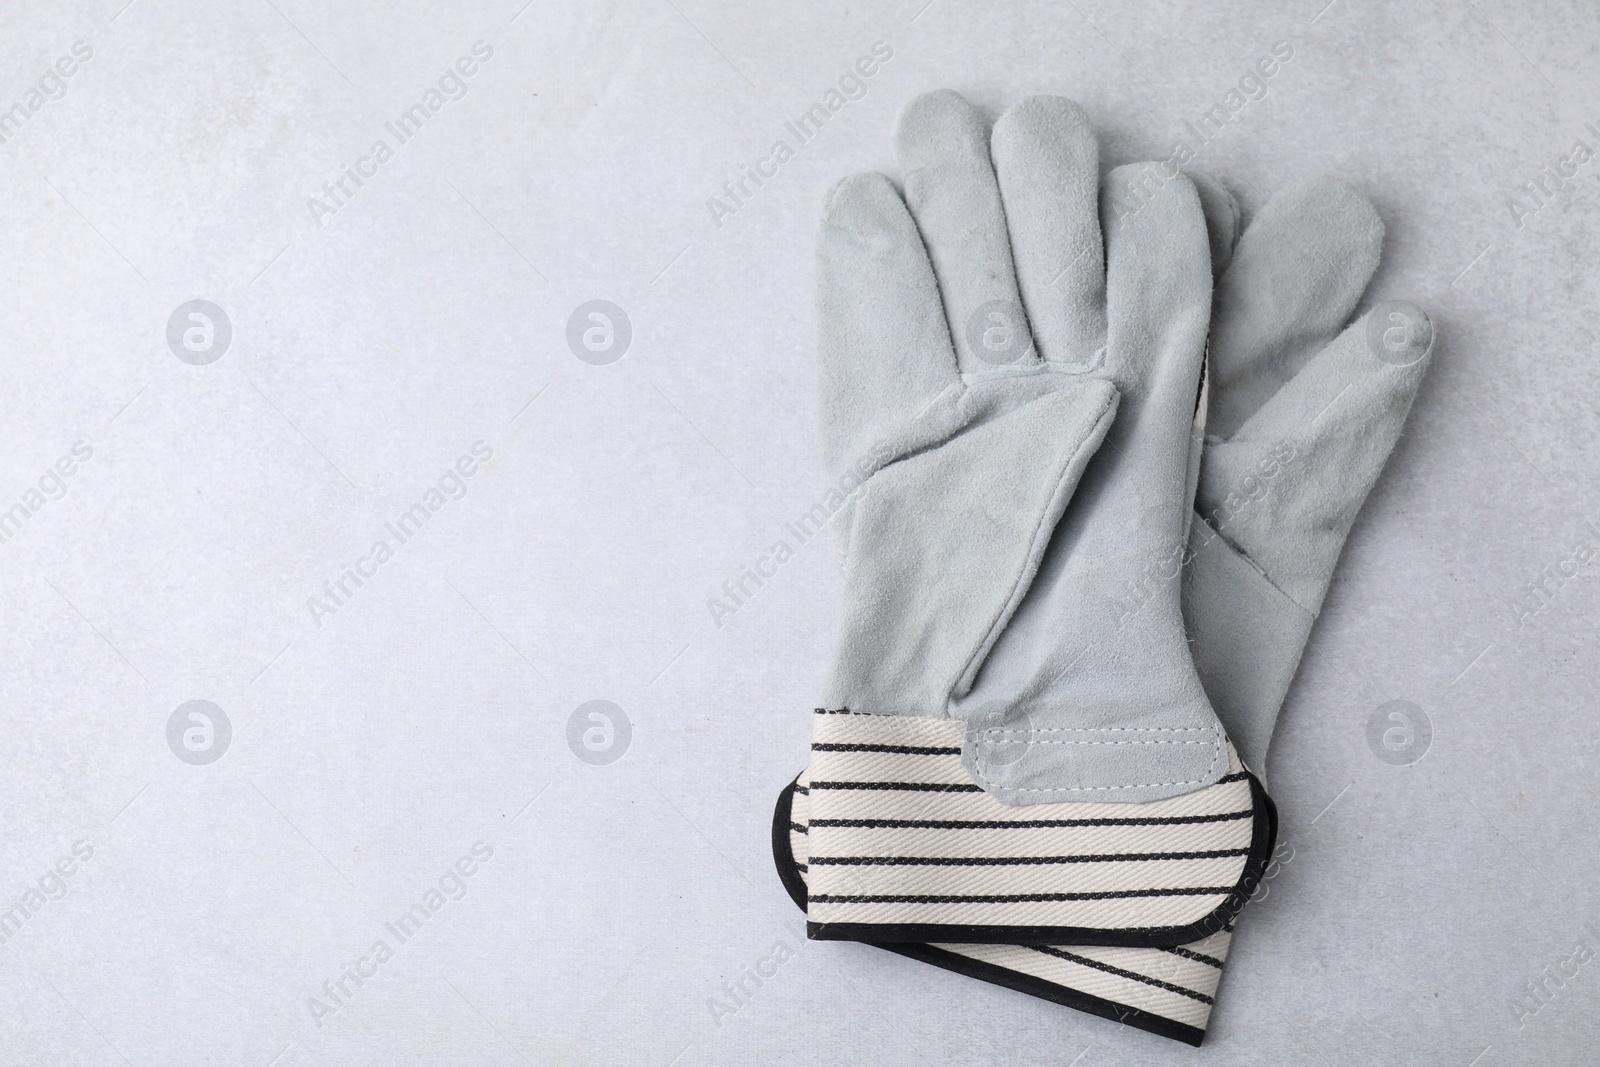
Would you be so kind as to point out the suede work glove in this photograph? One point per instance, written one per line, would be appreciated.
(1303, 418)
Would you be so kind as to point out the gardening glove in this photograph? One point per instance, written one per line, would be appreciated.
(1302, 422)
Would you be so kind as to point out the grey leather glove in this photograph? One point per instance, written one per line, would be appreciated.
(1303, 417)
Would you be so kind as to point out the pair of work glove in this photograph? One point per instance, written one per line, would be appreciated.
(1081, 558)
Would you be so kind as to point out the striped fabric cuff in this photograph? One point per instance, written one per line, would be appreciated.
(904, 846)
(1167, 991)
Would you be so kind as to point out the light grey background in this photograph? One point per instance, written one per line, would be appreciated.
(374, 746)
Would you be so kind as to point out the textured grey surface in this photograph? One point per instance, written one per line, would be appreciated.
(375, 742)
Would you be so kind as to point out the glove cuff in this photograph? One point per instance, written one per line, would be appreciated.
(1165, 991)
(905, 846)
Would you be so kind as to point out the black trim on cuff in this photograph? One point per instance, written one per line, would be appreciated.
(782, 854)
(1038, 987)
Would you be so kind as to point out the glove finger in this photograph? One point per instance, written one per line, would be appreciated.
(883, 351)
(1158, 285)
(1295, 279)
(1285, 488)
(943, 148)
(1222, 219)
(1047, 163)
